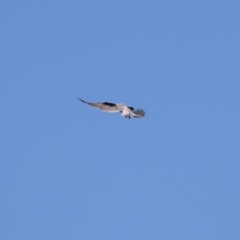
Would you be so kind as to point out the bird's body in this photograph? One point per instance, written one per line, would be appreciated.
(119, 107)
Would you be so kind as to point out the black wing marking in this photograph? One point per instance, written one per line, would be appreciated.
(110, 104)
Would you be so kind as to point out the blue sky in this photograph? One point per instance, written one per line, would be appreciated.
(68, 171)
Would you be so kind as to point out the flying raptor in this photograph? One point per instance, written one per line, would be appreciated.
(119, 107)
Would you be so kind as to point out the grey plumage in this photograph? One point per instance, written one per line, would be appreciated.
(113, 108)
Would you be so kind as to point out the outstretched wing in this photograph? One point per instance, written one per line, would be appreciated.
(106, 106)
(139, 113)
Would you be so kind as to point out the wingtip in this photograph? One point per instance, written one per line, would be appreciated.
(80, 99)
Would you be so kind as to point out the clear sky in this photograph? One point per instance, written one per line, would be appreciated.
(69, 171)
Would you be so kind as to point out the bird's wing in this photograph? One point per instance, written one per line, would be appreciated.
(139, 113)
(106, 106)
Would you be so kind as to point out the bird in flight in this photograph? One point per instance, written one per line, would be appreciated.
(119, 107)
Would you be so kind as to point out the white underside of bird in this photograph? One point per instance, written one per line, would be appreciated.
(127, 112)
(119, 107)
